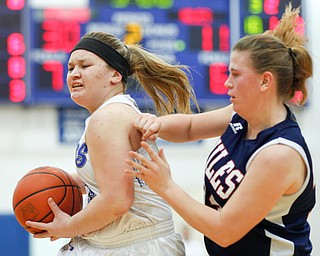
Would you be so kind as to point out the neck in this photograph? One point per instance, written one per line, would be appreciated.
(118, 90)
(265, 119)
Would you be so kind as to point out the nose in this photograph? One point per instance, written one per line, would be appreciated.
(74, 73)
(228, 83)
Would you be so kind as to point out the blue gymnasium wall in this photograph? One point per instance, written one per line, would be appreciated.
(14, 240)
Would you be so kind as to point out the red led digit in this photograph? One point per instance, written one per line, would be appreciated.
(16, 67)
(71, 34)
(17, 90)
(224, 34)
(196, 16)
(56, 69)
(271, 7)
(60, 35)
(207, 38)
(217, 77)
(273, 22)
(15, 4)
(15, 44)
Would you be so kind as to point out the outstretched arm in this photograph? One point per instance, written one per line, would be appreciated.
(184, 127)
(256, 196)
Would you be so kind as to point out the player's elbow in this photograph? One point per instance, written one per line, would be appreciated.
(225, 239)
(225, 242)
(122, 206)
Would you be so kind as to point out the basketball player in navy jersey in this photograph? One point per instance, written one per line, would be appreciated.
(259, 184)
(122, 215)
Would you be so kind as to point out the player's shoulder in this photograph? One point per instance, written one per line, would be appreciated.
(113, 112)
(278, 151)
(280, 157)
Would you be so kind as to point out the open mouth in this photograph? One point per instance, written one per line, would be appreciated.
(231, 97)
(77, 85)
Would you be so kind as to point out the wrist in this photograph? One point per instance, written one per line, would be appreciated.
(169, 191)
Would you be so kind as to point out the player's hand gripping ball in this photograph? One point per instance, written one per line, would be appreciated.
(30, 197)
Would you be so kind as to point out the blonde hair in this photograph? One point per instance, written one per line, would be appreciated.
(167, 85)
(282, 52)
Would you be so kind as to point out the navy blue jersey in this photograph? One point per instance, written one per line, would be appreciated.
(285, 230)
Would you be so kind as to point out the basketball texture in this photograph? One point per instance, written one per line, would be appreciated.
(30, 197)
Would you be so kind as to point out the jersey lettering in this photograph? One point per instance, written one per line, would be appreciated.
(234, 177)
(214, 157)
(214, 203)
(236, 127)
(224, 180)
(81, 157)
(215, 180)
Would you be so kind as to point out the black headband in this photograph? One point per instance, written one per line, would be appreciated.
(107, 53)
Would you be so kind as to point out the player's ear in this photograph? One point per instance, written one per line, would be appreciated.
(116, 77)
(266, 79)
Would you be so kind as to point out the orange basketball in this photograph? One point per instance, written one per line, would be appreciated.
(30, 197)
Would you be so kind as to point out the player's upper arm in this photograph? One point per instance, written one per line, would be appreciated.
(108, 141)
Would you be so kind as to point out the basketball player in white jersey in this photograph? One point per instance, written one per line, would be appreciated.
(123, 216)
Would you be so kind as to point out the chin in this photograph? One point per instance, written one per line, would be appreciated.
(234, 107)
(77, 99)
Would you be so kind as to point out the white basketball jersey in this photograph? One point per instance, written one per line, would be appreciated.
(149, 212)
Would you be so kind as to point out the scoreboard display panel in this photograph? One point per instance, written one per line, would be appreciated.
(12, 52)
(257, 16)
(193, 33)
(35, 42)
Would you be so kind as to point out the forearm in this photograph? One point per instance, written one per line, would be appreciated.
(175, 128)
(184, 128)
(201, 217)
(97, 215)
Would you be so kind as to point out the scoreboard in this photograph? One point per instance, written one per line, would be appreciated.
(12, 52)
(256, 16)
(35, 43)
(192, 33)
